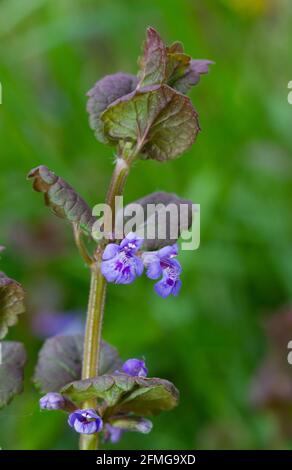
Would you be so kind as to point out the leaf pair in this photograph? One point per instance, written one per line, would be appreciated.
(59, 370)
(149, 112)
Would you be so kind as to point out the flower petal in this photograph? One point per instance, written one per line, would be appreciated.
(110, 251)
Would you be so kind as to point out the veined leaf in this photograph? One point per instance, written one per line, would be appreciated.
(121, 393)
(153, 61)
(106, 91)
(164, 217)
(13, 358)
(11, 303)
(161, 122)
(60, 362)
(62, 198)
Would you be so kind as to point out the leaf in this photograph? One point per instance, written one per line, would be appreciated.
(13, 358)
(60, 362)
(161, 122)
(61, 197)
(106, 91)
(169, 65)
(121, 393)
(154, 219)
(152, 397)
(191, 75)
(153, 61)
(132, 423)
(11, 303)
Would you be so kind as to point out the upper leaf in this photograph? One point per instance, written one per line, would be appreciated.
(60, 362)
(11, 303)
(121, 393)
(153, 61)
(169, 65)
(165, 216)
(190, 76)
(13, 358)
(160, 121)
(62, 198)
(106, 91)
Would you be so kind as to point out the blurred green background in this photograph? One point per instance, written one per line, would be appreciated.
(208, 341)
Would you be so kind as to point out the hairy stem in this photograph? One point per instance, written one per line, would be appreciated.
(92, 340)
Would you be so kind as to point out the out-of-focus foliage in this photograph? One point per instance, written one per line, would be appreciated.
(208, 341)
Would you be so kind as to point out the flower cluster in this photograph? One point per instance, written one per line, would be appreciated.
(122, 263)
(88, 421)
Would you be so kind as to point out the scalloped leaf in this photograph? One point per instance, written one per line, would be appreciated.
(62, 198)
(121, 393)
(148, 222)
(60, 362)
(106, 91)
(161, 122)
(169, 65)
(11, 303)
(153, 61)
(12, 361)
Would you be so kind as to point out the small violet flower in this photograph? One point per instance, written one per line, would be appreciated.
(120, 263)
(52, 401)
(162, 263)
(135, 367)
(85, 421)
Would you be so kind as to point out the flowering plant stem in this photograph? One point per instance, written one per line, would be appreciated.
(97, 293)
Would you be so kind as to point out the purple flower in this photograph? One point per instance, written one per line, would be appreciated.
(162, 263)
(120, 263)
(52, 401)
(85, 421)
(135, 367)
(112, 434)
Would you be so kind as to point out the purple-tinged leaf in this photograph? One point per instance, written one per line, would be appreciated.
(153, 61)
(159, 121)
(13, 358)
(60, 362)
(155, 206)
(11, 303)
(62, 198)
(106, 91)
(191, 75)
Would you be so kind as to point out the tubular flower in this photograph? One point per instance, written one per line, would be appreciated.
(162, 264)
(120, 263)
(85, 421)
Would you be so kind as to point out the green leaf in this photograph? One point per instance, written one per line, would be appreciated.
(122, 393)
(60, 362)
(151, 397)
(106, 91)
(155, 217)
(13, 358)
(169, 65)
(11, 303)
(62, 198)
(132, 423)
(153, 61)
(161, 122)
